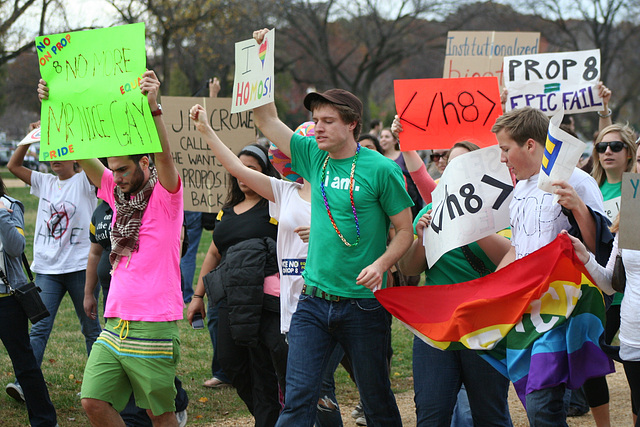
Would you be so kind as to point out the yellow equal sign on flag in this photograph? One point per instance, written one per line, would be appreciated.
(551, 150)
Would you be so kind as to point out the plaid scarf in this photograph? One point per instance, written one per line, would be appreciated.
(124, 234)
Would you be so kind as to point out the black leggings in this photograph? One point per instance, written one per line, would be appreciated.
(596, 389)
(612, 323)
(632, 371)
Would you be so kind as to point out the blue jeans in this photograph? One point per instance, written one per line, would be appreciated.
(327, 417)
(54, 286)
(462, 412)
(575, 399)
(212, 325)
(361, 327)
(545, 408)
(14, 333)
(438, 376)
(193, 223)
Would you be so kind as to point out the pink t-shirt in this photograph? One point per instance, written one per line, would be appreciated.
(148, 287)
(424, 183)
(272, 285)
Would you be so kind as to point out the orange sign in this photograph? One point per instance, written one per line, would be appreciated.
(437, 113)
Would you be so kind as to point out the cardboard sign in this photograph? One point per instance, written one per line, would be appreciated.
(437, 113)
(554, 81)
(470, 202)
(561, 154)
(204, 179)
(253, 84)
(611, 208)
(480, 53)
(628, 236)
(95, 106)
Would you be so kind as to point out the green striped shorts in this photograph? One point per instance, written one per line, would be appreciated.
(138, 357)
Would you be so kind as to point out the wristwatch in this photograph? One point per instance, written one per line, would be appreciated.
(157, 112)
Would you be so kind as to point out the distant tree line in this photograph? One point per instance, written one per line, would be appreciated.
(358, 45)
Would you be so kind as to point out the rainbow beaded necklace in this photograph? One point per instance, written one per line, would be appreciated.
(353, 206)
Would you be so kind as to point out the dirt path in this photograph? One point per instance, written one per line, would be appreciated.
(13, 183)
(620, 407)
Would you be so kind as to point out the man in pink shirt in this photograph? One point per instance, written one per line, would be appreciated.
(139, 349)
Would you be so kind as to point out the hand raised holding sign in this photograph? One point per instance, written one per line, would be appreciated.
(258, 35)
(149, 86)
(423, 223)
(43, 90)
(396, 126)
(567, 196)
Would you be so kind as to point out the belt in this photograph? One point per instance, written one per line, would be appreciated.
(316, 292)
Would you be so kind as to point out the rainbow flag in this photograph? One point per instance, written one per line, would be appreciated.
(537, 321)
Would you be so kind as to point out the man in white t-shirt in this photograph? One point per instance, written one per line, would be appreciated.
(536, 220)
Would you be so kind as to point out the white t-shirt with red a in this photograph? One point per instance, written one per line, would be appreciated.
(61, 237)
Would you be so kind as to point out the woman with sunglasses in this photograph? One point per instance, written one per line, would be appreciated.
(615, 150)
(614, 153)
(630, 313)
(440, 159)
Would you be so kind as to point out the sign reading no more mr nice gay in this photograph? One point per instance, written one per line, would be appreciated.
(95, 106)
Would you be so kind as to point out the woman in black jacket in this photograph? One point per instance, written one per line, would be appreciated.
(248, 364)
(14, 332)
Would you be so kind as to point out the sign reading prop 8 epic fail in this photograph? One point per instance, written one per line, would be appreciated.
(554, 81)
(95, 106)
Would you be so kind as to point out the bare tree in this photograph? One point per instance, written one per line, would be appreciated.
(609, 25)
(350, 44)
(13, 39)
(167, 22)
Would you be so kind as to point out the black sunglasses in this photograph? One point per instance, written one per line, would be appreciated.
(435, 157)
(616, 146)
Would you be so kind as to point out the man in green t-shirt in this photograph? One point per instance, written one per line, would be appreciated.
(356, 194)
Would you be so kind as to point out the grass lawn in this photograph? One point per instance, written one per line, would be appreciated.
(65, 358)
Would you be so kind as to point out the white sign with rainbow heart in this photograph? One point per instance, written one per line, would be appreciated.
(253, 84)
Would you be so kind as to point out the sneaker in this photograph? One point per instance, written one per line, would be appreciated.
(182, 418)
(574, 411)
(215, 383)
(325, 404)
(361, 421)
(357, 412)
(14, 390)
